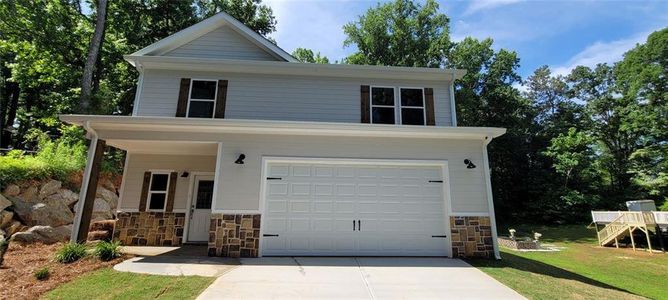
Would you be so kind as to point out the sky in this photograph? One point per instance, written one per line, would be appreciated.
(560, 34)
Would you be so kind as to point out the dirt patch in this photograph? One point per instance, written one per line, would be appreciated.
(21, 262)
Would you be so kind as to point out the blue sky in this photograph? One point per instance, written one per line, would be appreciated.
(560, 34)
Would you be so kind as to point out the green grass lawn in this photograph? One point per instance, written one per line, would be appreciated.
(109, 284)
(582, 270)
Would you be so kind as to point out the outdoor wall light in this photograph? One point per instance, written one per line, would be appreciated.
(240, 159)
(469, 164)
(185, 174)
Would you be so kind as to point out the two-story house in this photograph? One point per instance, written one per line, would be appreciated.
(234, 143)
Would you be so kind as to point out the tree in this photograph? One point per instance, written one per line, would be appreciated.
(399, 33)
(258, 17)
(91, 59)
(306, 55)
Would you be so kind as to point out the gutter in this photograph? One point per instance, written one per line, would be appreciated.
(490, 197)
(84, 182)
(453, 107)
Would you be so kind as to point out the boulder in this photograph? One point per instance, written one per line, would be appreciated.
(29, 194)
(66, 196)
(4, 203)
(14, 227)
(99, 235)
(5, 218)
(107, 184)
(12, 190)
(43, 234)
(101, 206)
(49, 213)
(49, 188)
(108, 196)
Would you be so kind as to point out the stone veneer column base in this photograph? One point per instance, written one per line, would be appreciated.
(149, 228)
(234, 235)
(471, 237)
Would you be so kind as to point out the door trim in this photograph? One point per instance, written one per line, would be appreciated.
(189, 200)
(443, 164)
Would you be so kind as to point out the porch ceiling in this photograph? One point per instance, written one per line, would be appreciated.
(165, 147)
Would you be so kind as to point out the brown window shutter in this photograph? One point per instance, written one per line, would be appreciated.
(365, 104)
(182, 105)
(172, 190)
(221, 99)
(144, 191)
(429, 106)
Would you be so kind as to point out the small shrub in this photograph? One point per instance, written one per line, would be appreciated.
(70, 253)
(42, 274)
(107, 251)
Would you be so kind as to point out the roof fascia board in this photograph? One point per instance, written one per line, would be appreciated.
(119, 124)
(274, 67)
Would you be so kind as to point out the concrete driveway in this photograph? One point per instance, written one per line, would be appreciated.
(356, 278)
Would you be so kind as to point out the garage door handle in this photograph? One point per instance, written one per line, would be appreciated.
(439, 236)
(359, 225)
(270, 235)
(353, 225)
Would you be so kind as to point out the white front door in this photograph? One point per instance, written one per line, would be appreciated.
(200, 209)
(354, 209)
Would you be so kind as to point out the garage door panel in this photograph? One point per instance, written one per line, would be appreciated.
(318, 209)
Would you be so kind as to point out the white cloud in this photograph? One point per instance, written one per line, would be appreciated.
(600, 52)
(480, 5)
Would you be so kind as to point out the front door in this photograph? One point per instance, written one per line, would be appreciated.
(200, 209)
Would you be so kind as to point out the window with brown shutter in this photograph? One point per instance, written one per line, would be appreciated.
(158, 191)
(221, 99)
(144, 191)
(429, 106)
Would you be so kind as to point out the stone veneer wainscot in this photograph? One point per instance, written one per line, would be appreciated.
(471, 237)
(149, 228)
(234, 235)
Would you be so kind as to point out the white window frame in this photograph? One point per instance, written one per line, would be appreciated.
(371, 105)
(397, 104)
(215, 96)
(423, 107)
(151, 192)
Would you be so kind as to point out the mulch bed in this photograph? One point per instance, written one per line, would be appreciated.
(17, 279)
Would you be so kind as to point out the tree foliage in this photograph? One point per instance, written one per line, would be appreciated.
(307, 55)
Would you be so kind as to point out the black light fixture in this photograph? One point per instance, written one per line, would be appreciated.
(240, 159)
(469, 164)
(185, 174)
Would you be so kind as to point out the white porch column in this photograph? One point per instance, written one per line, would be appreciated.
(490, 197)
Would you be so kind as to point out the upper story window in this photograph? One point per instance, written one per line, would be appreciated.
(407, 107)
(158, 191)
(202, 98)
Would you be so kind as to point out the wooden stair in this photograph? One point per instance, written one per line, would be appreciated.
(624, 225)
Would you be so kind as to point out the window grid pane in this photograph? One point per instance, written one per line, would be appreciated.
(157, 201)
(382, 96)
(200, 109)
(159, 182)
(382, 115)
(204, 194)
(412, 97)
(412, 116)
(203, 90)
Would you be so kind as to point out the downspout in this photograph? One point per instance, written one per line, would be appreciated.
(453, 108)
(140, 87)
(490, 198)
(84, 182)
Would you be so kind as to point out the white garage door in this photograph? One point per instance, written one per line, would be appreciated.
(354, 210)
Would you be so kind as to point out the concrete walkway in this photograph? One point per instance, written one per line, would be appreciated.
(356, 278)
(175, 261)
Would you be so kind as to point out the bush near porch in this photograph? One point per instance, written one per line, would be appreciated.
(582, 270)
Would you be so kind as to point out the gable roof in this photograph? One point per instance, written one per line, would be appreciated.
(193, 32)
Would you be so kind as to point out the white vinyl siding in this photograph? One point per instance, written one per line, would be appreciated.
(140, 163)
(240, 185)
(279, 97)
(224, 43)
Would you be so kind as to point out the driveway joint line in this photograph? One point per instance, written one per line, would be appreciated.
(366, 282)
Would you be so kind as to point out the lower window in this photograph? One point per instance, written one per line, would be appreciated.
(158, 190)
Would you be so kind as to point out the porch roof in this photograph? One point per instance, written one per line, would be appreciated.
(117, 129)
